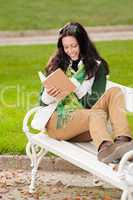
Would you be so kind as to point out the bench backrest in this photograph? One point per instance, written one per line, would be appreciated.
(127, 91)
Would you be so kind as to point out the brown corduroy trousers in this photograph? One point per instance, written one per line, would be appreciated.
(87, 124)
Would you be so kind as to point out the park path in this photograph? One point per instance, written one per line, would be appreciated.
(50, 36)
(14, 185)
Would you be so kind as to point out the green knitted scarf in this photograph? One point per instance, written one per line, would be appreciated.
(70, 103)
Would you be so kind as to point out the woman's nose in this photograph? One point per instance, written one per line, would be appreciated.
(70, 50)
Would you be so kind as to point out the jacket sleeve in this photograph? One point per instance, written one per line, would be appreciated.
(45, 98)
(98, 88)
(84, 88)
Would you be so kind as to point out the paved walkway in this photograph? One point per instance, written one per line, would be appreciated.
(57, 180)
(52, 186)
(47, 37)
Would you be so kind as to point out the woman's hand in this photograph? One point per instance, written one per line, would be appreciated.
(54, 92)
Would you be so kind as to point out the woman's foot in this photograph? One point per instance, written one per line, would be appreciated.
(110, 152)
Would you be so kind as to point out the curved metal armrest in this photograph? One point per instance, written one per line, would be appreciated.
(25, 121)
(125, 169)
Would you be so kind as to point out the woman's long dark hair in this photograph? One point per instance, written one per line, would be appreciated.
(88, 51)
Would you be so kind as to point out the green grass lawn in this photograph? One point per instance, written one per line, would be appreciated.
(47, 14)
(20, 85)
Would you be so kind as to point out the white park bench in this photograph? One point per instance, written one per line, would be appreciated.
(83, 155)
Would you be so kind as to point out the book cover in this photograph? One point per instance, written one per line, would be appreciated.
(59, 80)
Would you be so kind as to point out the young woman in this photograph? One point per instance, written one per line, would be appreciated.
(83, 115)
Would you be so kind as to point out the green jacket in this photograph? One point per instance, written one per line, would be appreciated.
(98, 88)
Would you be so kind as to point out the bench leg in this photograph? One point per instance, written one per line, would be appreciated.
(127, 195)
(35, 153)
(124, 195)
(130, 196)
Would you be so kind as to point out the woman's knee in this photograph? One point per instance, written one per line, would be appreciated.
(97, 113)
(115, 91)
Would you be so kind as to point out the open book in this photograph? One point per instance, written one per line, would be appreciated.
(59, 80)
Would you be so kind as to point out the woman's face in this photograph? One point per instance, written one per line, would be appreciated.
(71, 47)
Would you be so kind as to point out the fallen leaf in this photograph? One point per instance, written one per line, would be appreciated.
(78, 198)
(4, 190)
(36, 196)
(107, 198)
